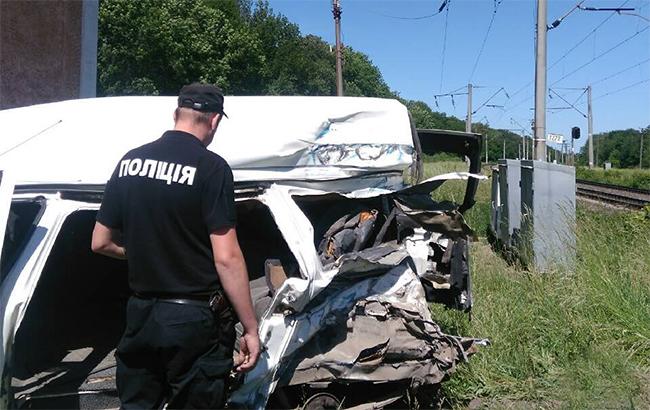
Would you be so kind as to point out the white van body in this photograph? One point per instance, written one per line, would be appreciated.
(301, 165)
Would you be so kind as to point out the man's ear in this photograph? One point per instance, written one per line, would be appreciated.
(215, 121)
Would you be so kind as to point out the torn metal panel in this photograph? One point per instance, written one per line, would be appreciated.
(448, 222)
(377, 330)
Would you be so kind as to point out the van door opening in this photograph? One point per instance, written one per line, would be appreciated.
(63, 352)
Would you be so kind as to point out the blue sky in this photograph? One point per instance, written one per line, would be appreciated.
(409, 54)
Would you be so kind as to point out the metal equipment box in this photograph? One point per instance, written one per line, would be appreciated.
(510, 198)
(548, 217)
(495, 203)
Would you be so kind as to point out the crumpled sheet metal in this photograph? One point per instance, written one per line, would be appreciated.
(443, 220)
(378, 330)
(302, 308)
(360, 188)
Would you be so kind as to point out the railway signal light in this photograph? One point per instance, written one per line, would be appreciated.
(575, 133)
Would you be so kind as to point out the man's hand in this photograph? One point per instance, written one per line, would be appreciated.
(233, 276)
(249, 352)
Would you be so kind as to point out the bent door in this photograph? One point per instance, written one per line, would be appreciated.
(6, 191)
(28, 226)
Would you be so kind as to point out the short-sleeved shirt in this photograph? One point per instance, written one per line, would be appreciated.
(167, 197)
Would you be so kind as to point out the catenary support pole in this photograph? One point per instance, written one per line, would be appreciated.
(468, 119)
(590, 128)
(336, 10)
(641, 153)
(486, 149)
(540, 83)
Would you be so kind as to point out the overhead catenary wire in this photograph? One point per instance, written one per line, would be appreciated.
(622, 89)
(558, 21)
(601, 55)
(583, 65)
(449, 94)
(488, 100)
(621, 72)
(569, 51)
(570, 105)
(580, 96)
(497, 3)
(625, 13)
(444, 46)
(443, 5)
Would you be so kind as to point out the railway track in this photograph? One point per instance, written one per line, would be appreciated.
(613, 194)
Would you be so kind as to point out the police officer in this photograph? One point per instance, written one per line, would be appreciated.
(169, 210)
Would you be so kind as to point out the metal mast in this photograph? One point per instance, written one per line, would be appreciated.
(540, 83)
(468, 119)
(590, 128)
(336, 10)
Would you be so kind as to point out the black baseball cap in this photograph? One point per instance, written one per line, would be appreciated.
(202, 97)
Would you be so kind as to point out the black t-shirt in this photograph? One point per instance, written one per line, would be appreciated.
(166, 197)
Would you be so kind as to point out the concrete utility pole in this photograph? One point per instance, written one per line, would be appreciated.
(468, 119)
(336, 10)
(486, 148)
(504, 148)
(590, 128)
(540, 83)
(641, 153)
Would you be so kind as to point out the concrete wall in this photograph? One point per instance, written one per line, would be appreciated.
(48, 51)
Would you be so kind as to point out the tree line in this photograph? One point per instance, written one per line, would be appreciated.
(622, 148)
(154, 47)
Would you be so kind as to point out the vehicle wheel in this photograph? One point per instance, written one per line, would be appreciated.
(322, 401)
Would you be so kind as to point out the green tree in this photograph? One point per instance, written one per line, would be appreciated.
(620, 147)
(361, 77)
(424, 117)
(156, 46)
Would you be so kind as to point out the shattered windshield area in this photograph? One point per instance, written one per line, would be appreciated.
(23, 217)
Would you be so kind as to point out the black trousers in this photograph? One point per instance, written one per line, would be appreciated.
(179, 354)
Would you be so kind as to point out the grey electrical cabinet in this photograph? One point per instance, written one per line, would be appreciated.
(548, 217)
(495, 204)
(510, 199)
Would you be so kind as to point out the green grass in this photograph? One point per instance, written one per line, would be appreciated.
(633, 178)
(478, 217)
(562, 339)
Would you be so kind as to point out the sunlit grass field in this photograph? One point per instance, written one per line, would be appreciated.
(561, 339)
(633, 178)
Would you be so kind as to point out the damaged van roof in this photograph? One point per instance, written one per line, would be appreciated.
(264, 138)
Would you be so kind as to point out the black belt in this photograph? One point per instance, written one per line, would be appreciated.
(194, 301)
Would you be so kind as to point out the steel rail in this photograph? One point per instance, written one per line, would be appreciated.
(613, 194)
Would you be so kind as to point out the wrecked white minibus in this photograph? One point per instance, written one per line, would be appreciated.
(343, 255)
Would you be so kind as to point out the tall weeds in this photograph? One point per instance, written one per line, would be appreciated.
(567, 339)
